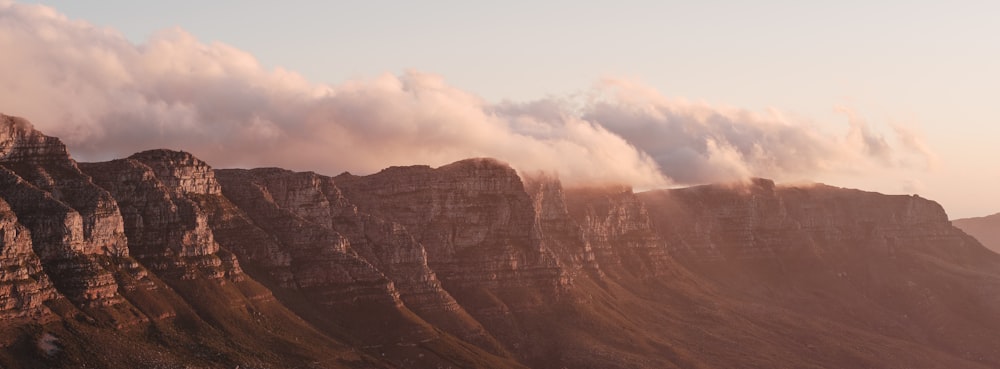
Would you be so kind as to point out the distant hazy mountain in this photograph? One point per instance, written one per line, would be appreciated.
(985, 229)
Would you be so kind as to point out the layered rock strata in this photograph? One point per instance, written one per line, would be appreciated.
(617, 226)
(761, 220)
(386, 245)
(477, 224)
(167, 231)
(24, 286)
(323, 269)
(320, 258)
(74, 224)
(559, 231)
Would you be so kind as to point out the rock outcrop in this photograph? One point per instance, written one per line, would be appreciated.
(167, 232)
(24, 286)
(321, 258)
(761, 220)
(617, 226)
(387, 246)
(477, 224)
(325, 270)
(560, 233)
(44, 163)
(73, 223)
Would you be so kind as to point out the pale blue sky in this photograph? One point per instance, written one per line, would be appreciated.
(933, 66)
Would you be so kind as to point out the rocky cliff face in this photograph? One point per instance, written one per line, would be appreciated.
(477, 224)
(761, 220)
(72, 222)
(321, 258)
(325, 270)
(24, 286)
(43, 162)
(559, 232)
(167, 231)
(618, 227)
(387, 246)
(71, 294)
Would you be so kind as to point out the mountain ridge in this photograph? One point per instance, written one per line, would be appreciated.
(160, 260)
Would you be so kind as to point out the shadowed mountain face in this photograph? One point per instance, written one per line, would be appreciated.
(159, 260)
(985, 229)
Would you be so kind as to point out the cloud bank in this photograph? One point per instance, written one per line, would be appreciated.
(107, 97)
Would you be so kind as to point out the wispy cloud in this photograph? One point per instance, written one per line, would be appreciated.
(107, 97)
(914, 142)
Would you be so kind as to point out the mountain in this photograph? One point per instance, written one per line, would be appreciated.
(159, 260)
(985, 229)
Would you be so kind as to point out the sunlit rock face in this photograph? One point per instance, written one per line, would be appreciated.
(180, 172)
(44, 163)
(72, 222)
(476, 222)
(167, 230)
(311, 261)
(24, 286)
(321, 258)
(386, 245)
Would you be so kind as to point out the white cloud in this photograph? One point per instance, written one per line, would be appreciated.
(107, 97)
(697, 142)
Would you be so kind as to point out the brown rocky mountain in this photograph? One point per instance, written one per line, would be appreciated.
(160, 261)
(985, 229)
